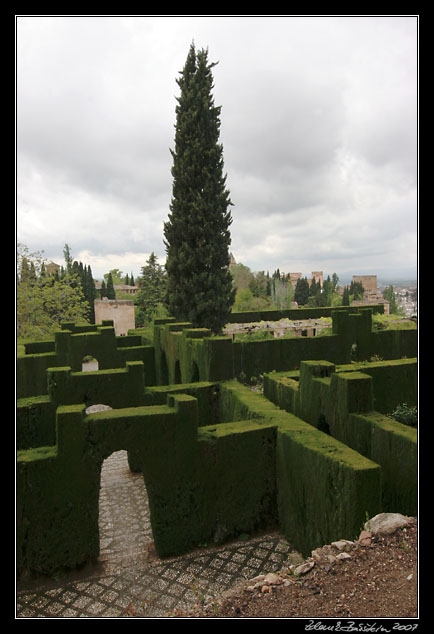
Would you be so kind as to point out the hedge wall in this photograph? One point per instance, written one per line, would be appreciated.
(296, 313)
(68, 349)
(218, 459)
(324, 488)
(342, 402)
(58, 486)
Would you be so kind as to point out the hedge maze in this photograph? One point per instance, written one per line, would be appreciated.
(314, 454)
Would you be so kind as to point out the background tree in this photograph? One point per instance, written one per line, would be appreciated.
(346, 297)
(327, 292)
(335, 281)
(90, 293)
(68, 258)
(43, 302)
(258, 284)
(356, 290)
(241, 275)
(117, 276)
(315, 294)
(152, 291)
(110, 289)
(301, 294)
(197, 236)
(389, 295)
(281, 291)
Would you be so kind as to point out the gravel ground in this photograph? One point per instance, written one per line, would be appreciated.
(376, 578)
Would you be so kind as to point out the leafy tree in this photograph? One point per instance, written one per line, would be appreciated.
(25, 271)
(90, 293)
(197, 236)
(258, 284)
(152, 290)
(43, 302)
(316, 298)
(116, 274)
(268, 290)
(389, 295)
(356, 290)
(281, 292)
(68, 258)
(335, 281)
(245, 300)
(241, 275)
(313, 288)
(301, 294)
(110, 289)
(327, 292)
(346, 297)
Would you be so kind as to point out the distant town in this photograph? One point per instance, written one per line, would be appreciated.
(406, 296)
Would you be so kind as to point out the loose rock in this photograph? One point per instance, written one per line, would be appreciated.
(365, 538)
(304, 568)
(386, 523)
(342, 543)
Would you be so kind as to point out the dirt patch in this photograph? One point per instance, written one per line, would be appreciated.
(375, 577)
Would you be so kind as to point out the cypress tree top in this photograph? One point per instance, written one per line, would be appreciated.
(197, 236)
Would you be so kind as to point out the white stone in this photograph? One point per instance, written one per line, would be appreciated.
(386, 523)
(272, 579)
(341, 544)
(304, 568)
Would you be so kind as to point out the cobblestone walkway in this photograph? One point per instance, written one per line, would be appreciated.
(129, 579)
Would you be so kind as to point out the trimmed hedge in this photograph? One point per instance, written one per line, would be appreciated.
(118, 388)
(252, 316)
(35, 422)
(312, 510)
(184, 354)
(71, 344)
(352, 339)
(218, 459)
(394, 382)
(58, 487)
(342, 402)
(393, 446)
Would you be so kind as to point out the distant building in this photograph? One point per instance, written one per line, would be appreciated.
(120, 288)
(126, 288)
(371, 295)
(121, 311)
(369, 283)
(293, 278)
(316, 275)
(52, 268)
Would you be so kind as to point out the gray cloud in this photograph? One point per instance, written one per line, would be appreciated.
(318, 126)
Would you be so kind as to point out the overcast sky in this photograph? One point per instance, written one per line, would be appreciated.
(318, 126)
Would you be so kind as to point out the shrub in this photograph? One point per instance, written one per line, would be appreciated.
(405, 414)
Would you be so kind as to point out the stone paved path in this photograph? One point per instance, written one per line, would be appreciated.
(129, 579)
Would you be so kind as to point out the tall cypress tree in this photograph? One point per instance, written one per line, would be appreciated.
(301, 294)
(91, 294)
(110, 289)
(197, 236)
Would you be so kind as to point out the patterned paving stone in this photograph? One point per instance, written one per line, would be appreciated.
(130, 581)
